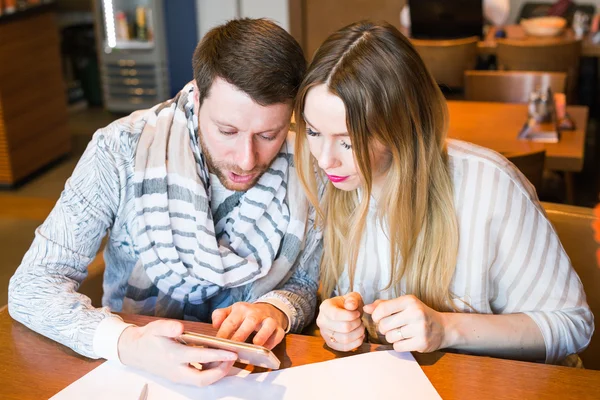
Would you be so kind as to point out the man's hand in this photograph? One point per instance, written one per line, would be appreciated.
(239, 321)
(152, 348)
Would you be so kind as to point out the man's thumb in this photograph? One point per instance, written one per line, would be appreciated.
(165, 328)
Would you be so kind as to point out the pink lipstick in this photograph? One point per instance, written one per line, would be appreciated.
(337, 179)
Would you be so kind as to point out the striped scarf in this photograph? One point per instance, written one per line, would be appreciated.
(185, 256)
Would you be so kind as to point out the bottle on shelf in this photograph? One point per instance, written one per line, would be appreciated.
(140, 19)
(122, 27)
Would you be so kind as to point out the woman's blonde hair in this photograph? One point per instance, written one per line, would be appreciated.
(390, 98)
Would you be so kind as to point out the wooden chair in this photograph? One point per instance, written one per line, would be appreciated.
(574, 228)
(447, 60)
(510, 86)
(531, 165)
(551, 56)
(537, 9)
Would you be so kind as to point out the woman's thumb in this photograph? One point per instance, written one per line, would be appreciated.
(353, 301)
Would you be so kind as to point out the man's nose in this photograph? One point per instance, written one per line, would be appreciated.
(246, 154)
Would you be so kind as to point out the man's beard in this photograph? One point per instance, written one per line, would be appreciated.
(221, 169)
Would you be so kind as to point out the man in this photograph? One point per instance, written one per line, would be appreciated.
(205, 214)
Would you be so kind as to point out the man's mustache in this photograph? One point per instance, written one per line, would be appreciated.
(238, 171)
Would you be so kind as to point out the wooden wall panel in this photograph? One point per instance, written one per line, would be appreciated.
(33, 117)
(323, 17)
(296, 16)
(5, 168)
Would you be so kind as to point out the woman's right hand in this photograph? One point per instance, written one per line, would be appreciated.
(153, 348)
(340, 322)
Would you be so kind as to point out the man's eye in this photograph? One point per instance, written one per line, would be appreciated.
(227, 133)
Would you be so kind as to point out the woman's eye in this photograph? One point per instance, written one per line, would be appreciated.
(346, 145)
(310, 132)
(226, 133)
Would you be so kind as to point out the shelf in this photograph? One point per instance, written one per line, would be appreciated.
(131, 45)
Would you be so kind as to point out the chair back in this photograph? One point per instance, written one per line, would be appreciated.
(560, 55)
(510, 86)
(574, 228)
(447, 60)
(537, 9)
(531, 165)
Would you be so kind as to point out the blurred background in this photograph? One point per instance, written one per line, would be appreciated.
(69, 67)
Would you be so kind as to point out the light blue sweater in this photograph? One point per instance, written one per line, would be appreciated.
(99, 198)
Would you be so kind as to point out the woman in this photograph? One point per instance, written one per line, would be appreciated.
(444, 241)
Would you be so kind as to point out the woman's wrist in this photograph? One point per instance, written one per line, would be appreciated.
(453, 336)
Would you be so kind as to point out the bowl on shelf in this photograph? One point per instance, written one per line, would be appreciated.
(544, 26)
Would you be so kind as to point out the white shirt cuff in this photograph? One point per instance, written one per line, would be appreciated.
(106, 338)
(280, 305)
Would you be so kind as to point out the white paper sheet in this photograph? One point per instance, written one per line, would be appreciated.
(376, 375)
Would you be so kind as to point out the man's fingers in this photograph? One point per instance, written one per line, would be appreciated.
(190, 354)
(219, 315)
(230, 325)
(268, 326)
(192, 376)
(275, 339)
(207, 366)
(247, 327)
(166, 328)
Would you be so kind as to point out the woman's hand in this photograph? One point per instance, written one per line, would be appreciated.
(340, 322)
(152, 348)
(409, 324)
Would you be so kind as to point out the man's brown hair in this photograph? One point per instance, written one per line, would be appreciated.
(255, 55)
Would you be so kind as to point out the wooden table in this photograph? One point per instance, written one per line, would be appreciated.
(34, 367)
(516, 32)
(496, 126)
(489, 44)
